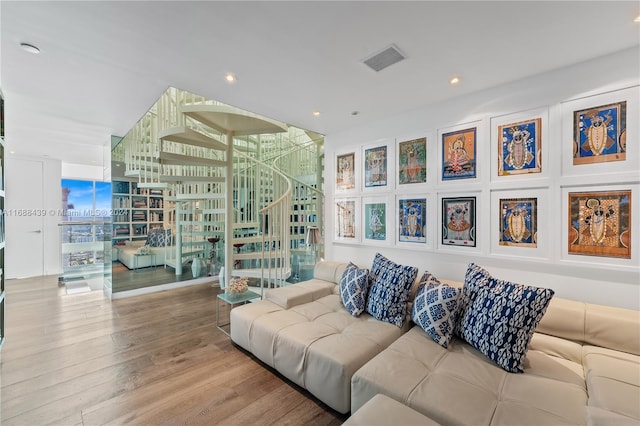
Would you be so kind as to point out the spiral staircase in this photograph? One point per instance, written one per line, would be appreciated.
(252, 183)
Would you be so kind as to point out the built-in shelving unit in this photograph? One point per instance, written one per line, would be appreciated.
(135, 210)
(2, 240)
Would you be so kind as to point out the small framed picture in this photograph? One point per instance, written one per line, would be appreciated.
(459, 154)
(412, 220)
(345, 172)
(519, 222)
(459, 221)
(376, 220)
(600, 223)
(520, 146)
(346, 222)
(600, 134)
(376, 166)
(412, 161)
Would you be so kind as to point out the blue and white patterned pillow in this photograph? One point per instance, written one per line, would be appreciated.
(435, 309)
(499, 316)
(390, 286)
(158, 237)
(354, 286)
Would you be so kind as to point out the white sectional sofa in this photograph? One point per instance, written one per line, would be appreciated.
(127, 252)
(582, 366)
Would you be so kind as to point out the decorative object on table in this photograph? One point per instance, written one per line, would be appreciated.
(600, 223)
(196, 267)
(238, 263)
(142, 250)
(238, 285)
(313, 240)
(213, 255)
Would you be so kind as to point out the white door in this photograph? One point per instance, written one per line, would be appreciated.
(24, 218)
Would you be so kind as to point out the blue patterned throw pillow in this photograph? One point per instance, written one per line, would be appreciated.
(158, 237)
(435, 309)
(354, 285)
(390, 286)
(499, 317)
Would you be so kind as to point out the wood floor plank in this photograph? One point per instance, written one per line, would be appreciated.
(81, 359)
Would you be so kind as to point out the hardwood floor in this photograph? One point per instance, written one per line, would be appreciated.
(156, 359)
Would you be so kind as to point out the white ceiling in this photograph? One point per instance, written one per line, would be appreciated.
(103, 64)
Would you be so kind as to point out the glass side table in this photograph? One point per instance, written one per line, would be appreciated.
(138, 256)
(232, 300)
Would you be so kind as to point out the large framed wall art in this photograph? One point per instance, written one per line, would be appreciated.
(458, 222)
(414, 215)
(377, 221)
(600, 134)
(518, 144)
(378, 167)
(519, 223)
(458, 152)
(412, 162)
(345, 172)
(346, 223)
(600, 223)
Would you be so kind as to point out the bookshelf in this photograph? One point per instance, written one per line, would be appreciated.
(135, 210)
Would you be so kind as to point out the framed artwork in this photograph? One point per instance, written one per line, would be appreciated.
(345, 171)
(600, 223)
(518, 222)
(376, 220)
(459, 154)
(412, 220)
(412, 161)
(600, 134)
(459, 221)
(520, 147)
(595, 131)
(346, 219)
(376, 166)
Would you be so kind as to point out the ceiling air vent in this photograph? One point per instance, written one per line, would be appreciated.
(387, 57)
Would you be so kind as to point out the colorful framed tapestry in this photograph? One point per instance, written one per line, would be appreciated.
(459, 221)
(520, 147)
(345, 172)
(600, 223)
(346, 219)
(375, 220)
(412, 220)
(518, 222)
(376, 166)
(459, 154)
(600, 134)
(412, 161)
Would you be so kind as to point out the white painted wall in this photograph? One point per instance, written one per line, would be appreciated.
(591, 279)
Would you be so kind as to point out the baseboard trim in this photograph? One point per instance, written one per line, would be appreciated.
(164, 287)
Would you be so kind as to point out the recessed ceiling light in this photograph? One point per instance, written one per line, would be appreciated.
(29, 48)
(637, 19)
(12, 152)
(316, 113)
(230, 77)
(454, 80)
(355, 112)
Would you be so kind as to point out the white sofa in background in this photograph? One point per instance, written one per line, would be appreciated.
(127, 252)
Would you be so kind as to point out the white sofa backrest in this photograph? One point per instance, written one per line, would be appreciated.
(598, 325)
(330, 271)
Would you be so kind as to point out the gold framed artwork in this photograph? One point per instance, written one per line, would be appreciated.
(600, 134)
(520, 147)
(600, 223)
(519, 222)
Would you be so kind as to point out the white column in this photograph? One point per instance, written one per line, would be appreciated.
(228, 220)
